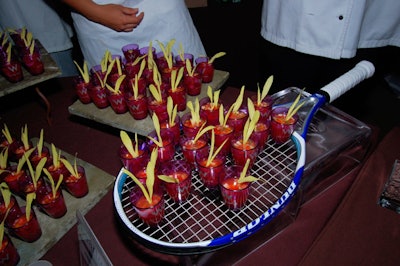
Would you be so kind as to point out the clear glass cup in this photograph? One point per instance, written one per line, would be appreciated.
(77, 186)
(234, 194)
(167, 151)
(181, 171)
(53, 205)
(212, 172)
(190, 147)
(151, 213)
(8, 252)
(134, 163)
(27, 230)
(242, 151)
(130, 51)
(281, 130)
(190, 128)
(82, 89)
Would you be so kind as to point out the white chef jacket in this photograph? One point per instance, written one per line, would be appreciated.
(163, 21)
(38, 18)
(331, 28)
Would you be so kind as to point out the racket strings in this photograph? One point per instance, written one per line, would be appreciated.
(204, 216)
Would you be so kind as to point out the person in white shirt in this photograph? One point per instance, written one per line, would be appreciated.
(322, 38)
(110, 24)
(46, 25)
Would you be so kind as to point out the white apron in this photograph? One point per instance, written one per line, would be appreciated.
(163, 21)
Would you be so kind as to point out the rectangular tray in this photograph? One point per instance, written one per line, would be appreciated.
(53, 230)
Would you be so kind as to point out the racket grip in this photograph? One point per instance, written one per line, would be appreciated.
(344, 83)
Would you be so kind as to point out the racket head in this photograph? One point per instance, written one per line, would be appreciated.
(203, 223)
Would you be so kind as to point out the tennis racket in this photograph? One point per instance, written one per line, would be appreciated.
(203, 223)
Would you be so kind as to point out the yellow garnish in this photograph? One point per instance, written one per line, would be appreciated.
(157, 128)
(4, 158)
(138, 59)
(105, 60)
(156, 93)
(84, 72)
(202, 131)
(150, 176)
(126, 140)
(150, 59)
(167, 53)
(213, 154)
(176, 78)
(214, 96)
(8, 53)
(7, 134)
(181, 52)
(172, 111)
(73, 170)
(6, 194)
(32, 48)
(243, 178)
(23, 160)
(117, 89)
(294, 108)
(29, 199)
(194, 111)
(54, 187)
(250, 125)
(267, 86)
(168, 179)
(239, 100)
(218, 55)
(223, 119)
(141, 69)
(39, 145)
(118, 65)
(189, 68)
(56, 156)
(24, 137)
(35, 174)
(135, 87)
(157, 77)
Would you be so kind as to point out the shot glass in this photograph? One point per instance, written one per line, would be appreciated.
(211, 172)
(8, 252)
(282, 129)
(33, 62)
(137, 106)
(134, 163)
(181, 171)
(117, 102)
(178, 96)
(36, 157)
(180, 60)
(242, 151)
(12, 70)
(261, 134)
(190, 147)
(82, 89)
(210, 111)
(13, 209)
(222, 133)
(192, 84)
(167, 151)
(205, 69)
(190, 128)
(158, 107)
(98, 94)
(26, 229)
(234, 194)
(130, 51)
(174, 128)
(151, 213)
(237, 120)
(53, 205)
(264, 107)
(77, 186)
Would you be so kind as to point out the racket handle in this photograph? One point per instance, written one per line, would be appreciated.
(342, 84)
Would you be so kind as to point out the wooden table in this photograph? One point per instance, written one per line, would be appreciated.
(51, 70)
(125, 121)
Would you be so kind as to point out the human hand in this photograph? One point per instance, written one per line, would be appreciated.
(118, 17)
